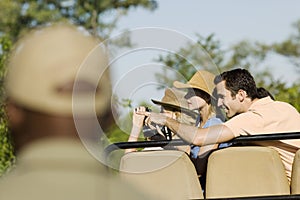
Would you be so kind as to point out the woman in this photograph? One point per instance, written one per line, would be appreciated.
(173, 105)
(200, 98)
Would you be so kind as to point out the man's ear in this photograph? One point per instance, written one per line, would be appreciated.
(16, 115)
(241, 95)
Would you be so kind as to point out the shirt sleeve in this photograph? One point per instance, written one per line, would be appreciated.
(212, 121)
(248, 123)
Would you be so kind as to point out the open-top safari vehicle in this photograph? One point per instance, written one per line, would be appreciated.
(240, 171)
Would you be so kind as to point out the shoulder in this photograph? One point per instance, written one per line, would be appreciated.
(285, 105)
(267, 102)
(268, 107)
(212, 121)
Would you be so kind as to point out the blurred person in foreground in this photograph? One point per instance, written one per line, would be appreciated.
(174, 105)
(57, 90)
(248, 115)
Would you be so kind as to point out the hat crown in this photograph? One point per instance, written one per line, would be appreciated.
(49, 58)
(202, 80)
(174, 97)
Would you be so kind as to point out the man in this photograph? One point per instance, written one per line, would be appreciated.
(58, 89)
(248, 115)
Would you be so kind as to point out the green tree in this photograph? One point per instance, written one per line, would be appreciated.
(290, 48)
(6, 149)
(19, 15)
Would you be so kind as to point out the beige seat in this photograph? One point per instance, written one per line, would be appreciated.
(167, 174)
(295, 180)
(245, 171)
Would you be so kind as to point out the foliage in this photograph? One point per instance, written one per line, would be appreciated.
(290, 46)
(288, 94)
(6, 149)
(206, 53)
(18, 15)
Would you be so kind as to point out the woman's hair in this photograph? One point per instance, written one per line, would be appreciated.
(200, 93)
(262, 92)
(205, 96)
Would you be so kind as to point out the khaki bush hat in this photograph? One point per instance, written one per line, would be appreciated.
(202, 80)
(174, 99)
(47, 60)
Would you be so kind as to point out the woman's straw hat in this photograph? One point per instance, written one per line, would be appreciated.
(202, 80)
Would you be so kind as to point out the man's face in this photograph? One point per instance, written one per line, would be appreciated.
(230, 105)
(194, 102)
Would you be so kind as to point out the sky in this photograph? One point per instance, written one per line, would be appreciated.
(231, 21)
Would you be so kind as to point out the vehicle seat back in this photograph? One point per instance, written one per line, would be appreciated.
(295, 180)
(167, 174)
(245, 171)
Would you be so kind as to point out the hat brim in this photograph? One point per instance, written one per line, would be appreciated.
(172, 106)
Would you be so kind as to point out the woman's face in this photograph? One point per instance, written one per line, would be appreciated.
(195, 102)
(168, 113)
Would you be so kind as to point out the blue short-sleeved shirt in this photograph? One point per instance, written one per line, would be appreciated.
(210, 122)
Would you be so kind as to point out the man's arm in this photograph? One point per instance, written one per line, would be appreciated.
(194, 135)
(200, 136)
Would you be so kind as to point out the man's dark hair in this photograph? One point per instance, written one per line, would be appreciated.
(238, 79)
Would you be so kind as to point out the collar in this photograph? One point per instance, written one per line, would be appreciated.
(261, 102)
